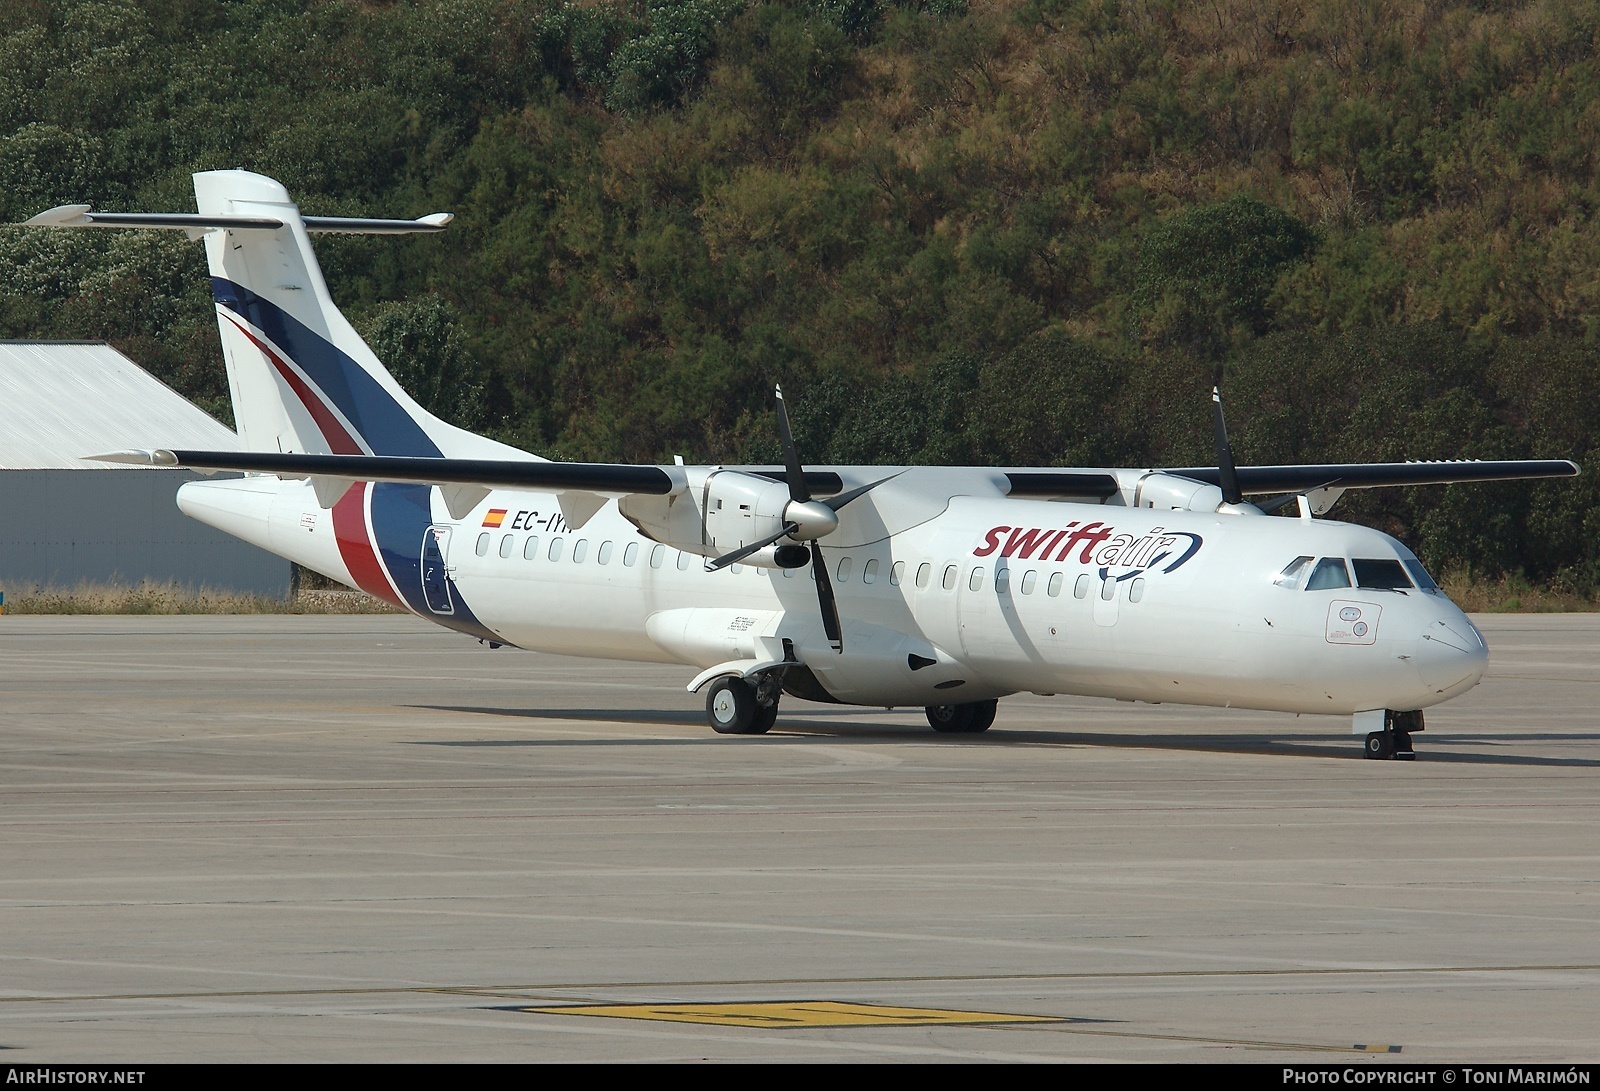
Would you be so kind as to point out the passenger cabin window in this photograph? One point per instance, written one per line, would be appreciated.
(657, 555)
(604, 556)
(555, 549)
(950, 577)
(924, 571)
(1108, 588)
(482, 548)
(897, 573)
(683, 562)
(530, 548)
(1029, 578)
(975, 581)
(869, 574)
(844, 568)
(1002, 581)
(1380, 574)
(630, 555)
(1290, 576)
(1080, 589)
(505, 546)
(1053, 588)
(1136, 591)
(1330, 572)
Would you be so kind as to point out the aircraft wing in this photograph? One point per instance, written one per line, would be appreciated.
(1371, 475)
(609, 479)
(606, 479)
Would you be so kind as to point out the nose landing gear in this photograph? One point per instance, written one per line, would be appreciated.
(1394, 741)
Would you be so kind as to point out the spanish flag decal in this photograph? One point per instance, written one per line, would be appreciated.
(495, 517)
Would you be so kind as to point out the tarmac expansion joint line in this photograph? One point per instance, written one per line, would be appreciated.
(509, 991)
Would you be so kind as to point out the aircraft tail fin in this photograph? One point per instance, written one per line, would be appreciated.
(301, 379)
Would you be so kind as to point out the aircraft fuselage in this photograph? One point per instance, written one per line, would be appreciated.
(987, 597)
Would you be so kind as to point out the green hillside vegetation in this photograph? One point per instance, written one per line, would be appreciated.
(1013, 231)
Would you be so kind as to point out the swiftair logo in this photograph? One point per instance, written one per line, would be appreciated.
(1095, 544)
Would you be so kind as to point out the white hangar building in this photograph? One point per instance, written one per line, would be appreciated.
(64, 520)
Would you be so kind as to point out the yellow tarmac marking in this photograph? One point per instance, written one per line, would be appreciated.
(804, 1013)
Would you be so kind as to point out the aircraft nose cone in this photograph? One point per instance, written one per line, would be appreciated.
(1451, 655)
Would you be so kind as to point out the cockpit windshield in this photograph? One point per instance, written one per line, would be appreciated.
(1380, 574)
(1290, 576)
(1420, 576)
(1330, 572)
(1371, 574)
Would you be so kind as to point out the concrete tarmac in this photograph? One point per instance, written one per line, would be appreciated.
(366, 839)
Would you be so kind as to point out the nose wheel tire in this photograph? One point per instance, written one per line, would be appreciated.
(964, 719)
(1390, 744)
(732, 708)
(1394, 741)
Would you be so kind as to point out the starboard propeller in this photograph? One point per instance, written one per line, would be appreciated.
(1227, 471)
(805, 520)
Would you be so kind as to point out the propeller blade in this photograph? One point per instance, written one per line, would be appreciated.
(791, 455)
(744, 551)
(799, 494)
(837, 502)
(825, 599)
(1227, 473)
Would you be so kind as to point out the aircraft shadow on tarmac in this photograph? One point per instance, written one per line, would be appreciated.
(803, 729)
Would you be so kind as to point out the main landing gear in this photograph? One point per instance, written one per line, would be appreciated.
(1394, 741)
(739, 707)
(735, 707)
(963, 719)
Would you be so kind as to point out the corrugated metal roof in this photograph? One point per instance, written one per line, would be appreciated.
(60, 401)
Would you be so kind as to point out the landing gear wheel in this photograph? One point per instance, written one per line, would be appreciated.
(965, 719)
(766, 716)
(1380, 745)
(731, 707)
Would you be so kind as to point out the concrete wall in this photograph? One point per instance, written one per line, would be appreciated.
(60, 527)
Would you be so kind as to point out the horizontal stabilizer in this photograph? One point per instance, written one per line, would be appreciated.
(82, 216)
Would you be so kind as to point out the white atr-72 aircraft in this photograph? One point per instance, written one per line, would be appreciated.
(944, 587)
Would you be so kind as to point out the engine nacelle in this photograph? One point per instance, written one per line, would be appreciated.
(739, 508)
(720, 511)
(1169, 492)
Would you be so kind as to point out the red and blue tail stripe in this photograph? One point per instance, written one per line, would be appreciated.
(374, 416)
(380, 527)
